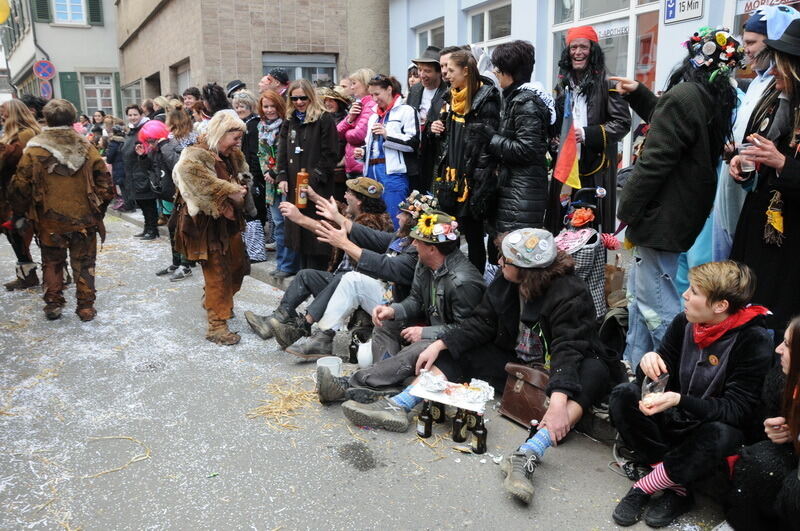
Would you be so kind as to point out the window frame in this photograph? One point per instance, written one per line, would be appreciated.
(488, 42)
(85, 98)
(84, 9)
(124, 98)
(295, 67)
(427, 29)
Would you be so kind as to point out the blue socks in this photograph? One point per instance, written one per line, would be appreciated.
(538, 443)
(405, 399)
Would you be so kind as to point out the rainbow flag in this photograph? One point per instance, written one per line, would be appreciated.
(566, 169)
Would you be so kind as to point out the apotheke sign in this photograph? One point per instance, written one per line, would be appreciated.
(680, 10)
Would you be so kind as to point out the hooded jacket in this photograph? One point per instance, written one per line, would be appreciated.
(61, 184)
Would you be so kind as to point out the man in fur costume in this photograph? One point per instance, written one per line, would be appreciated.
(63, 186)
(210, 217)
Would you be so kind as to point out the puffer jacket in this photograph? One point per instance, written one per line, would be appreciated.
(136, 174)
(458, 289)
(519, 147)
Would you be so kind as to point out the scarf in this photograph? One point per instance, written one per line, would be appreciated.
(382, 112)
(705, 335)
(301, 116)
(458, 101)
(268, 131)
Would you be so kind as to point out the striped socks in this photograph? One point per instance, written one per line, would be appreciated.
(659, 480)
(538, 443)
(405, 399)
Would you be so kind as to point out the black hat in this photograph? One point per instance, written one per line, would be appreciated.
(280, 75)
(789, 41)
(430, 55)
(233, 86)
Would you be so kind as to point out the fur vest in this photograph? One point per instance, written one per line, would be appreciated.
(196, 180)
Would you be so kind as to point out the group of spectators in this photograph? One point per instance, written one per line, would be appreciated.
(364, 194)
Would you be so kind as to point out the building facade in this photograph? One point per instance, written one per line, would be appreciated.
(78, 37)
(169, 45)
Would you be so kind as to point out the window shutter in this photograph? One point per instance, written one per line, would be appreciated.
(40, 9)
(70, 88)
(95, 12)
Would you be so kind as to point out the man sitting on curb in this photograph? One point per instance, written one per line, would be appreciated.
(365, 206)
(378, 278)
(446, 289)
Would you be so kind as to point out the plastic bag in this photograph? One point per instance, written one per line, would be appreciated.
(654, 387)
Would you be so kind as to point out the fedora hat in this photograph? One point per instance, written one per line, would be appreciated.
(430, 55)
(790, 40)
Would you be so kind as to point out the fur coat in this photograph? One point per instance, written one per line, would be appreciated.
(196, 179)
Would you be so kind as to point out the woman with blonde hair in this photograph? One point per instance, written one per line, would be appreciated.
(307, 141)
(160, 105)
(353, 129)
(19, 127)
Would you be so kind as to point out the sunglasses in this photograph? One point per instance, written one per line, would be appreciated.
(298, 98)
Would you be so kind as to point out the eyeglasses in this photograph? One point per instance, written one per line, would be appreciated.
(298, 98)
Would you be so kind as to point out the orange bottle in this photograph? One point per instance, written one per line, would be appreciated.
(301, 189)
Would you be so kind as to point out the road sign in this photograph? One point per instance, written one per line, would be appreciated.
(44, 70)
(45, 89)
(680, 10)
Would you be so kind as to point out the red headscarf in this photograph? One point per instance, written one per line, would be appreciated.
(581, 32)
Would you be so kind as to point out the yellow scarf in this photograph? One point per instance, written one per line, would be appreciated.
(458, 101)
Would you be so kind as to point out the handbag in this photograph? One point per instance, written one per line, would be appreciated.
(525, 397)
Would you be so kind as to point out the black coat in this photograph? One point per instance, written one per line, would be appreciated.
(519, 148)
(114, 157)
(250, 150)
(136, 174)
(429, 146)
(160, 162)
(378, 260)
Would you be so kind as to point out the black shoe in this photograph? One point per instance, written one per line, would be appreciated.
(143, 233)
(330, 388)
(167, 270)
(630, 508)
(149, 236)
(259, 324)
(665, 509)
(314, 347)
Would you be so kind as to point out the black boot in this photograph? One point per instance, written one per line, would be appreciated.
(150, 235)
(630, 508)
(665, 509)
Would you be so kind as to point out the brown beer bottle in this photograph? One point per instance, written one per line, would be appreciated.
(479, 436)
(459, 427)
(301, 189)
(471, 420)
(425, 421)
(437, 412)
(533, 429)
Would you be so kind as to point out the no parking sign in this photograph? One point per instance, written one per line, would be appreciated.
(44, 70)
(45, 89)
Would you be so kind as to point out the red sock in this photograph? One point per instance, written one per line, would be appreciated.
(659, 480)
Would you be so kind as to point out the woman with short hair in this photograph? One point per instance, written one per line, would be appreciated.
(353, 129)
(137, 180)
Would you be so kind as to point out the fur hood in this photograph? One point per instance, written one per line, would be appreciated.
(68, 148)
(196, 180)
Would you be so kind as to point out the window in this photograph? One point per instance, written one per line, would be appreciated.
(97, 92)
(490, 24)
(320, 69)
(601, 7)
(430, 36)
(646, 45)
(69, 11)
(131, 95)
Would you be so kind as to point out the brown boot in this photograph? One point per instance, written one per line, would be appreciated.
(26, 277)
(218, 333)
(52, 311)
(86, 314)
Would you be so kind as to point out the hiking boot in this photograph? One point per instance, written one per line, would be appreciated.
(52, 311)
(218, 333)
(86, 314)
(287, 333)
(259, 324)
(330, 388)
(518, 469)
(26, 277)
(281, 316)
(314, 347)
(667, 507)
(381, 414)
(181, 273)
(367, 395)
(630, 508)
(167, 270)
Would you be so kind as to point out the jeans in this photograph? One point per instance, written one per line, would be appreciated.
(308, 282)
(354, 290)
(286, 259)
(395, 189)
(653, 300)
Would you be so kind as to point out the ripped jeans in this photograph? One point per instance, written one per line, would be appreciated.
(653, 300)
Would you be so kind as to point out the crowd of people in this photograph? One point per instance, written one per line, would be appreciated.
(364, 194)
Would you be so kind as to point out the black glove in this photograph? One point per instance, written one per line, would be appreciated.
(479, 133)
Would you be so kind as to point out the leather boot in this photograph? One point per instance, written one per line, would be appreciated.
(26, 277)
(218, 333)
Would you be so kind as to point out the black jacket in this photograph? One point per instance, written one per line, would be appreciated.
(669, 196)
(250, 150)
(114, 157)
(159, 163)
(519, 147)
(136, 174)
(429, 147)
(378, 260)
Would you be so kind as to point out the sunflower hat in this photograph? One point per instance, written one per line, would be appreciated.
(435, 227)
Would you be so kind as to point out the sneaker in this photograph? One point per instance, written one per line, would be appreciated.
(668, 507)
(330, 388)
(181, 273)
(381, 414)
(367, 395)
(52, 311)
(314, 347)
(518, 469)
(287, 333)
(167, 270)
(259, 324)
(630, 508)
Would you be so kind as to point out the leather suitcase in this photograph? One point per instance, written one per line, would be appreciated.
(525, 397)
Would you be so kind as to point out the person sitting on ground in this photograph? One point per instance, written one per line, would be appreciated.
(445, 291)
(766, 481)
(366, 208)
(63, 186)
(716, 355)
(383, 271)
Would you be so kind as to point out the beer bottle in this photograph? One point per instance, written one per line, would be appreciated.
(479, 436)
(425, 421)
(533, 429)
(437, 412)
(352, 348)
(301, 189)
(459, 427)
(471, 420)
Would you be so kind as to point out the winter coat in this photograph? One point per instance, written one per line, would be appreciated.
(669, 196)
(160, 161)
(458, 288)
(114, 157)
(519, 147)
(565, 313)
(355, 133)
(136, 175)
(319, 145)
(430, 144)
(401, 141)
(381, 259)
(250, 150)
(9, 158)
(62, 185)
